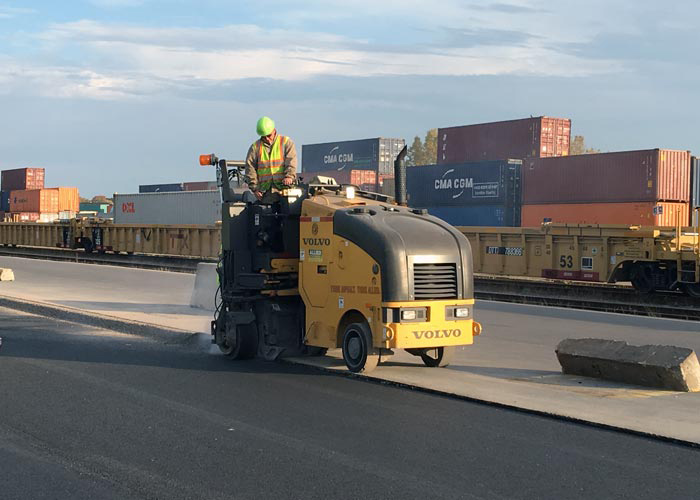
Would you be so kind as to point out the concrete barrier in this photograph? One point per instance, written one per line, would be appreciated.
(6, 274)
(661, 366)
(205, 285)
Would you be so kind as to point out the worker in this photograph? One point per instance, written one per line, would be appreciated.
(271, 163)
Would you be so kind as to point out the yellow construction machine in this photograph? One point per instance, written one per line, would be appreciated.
(330, 266)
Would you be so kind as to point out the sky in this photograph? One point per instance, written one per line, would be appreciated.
(110, 94)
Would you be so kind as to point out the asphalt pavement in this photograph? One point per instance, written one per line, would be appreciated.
(87, 413)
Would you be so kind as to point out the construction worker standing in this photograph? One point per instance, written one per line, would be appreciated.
(271, 163)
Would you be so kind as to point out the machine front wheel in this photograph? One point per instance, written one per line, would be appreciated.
(438, 356)
(358, 352)
(692, 289)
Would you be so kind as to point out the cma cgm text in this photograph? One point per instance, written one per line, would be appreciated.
(467, 183)
(343, 158)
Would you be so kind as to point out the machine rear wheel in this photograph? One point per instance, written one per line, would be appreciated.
(247, 345)
(358, 352)
(438, 356)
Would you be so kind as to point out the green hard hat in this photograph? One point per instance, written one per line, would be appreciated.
(265, 126)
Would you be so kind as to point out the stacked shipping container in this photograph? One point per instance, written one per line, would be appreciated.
(648, 187)
(526, 138)
(364, 179)
(468, 194)
(175, 208)
(376, 154)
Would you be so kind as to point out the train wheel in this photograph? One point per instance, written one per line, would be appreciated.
(358, 352)
(643, 278)
(692, 289)
(437, 356)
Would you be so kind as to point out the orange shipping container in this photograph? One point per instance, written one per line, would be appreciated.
(34, 200)
(68, 199)
(634, 214)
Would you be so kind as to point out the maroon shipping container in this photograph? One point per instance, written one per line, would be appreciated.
(627, 176)
(361, 178)
(517, 139)
(22, 178)
(200, 186)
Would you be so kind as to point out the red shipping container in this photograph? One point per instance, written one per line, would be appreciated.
(356, 177)
(22, 178)
(514, 139)
(633, 214)
(68, 199)
(627, 176)
(34, 200)
(200, 186)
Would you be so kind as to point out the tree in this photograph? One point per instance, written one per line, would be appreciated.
(100, 198)
(430, 147)
(415, 152)
(578, 147)
(423, 152)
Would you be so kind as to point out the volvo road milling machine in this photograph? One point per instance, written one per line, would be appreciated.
(331, 266)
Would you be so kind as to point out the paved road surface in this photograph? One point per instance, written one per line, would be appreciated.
(88, 414)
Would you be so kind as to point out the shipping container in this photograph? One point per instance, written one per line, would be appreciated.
(4, 201)
(633, 214)
(22, 178)
(478, 215)
(356, 177)
(376, 154)
(68, 199)
(525, 138)
(161, 188)
(626, 176)
(200, 186)
(387, 185)
(483, 183)
(176, 208)
(103, 208)
(34, 200)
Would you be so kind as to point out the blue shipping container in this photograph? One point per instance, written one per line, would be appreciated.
(478, 215)
(161, 188)
(465, 184)
(4, 201)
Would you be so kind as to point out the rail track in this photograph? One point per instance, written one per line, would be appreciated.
(602, 297)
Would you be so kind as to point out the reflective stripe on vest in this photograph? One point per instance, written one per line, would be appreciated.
(271, 164)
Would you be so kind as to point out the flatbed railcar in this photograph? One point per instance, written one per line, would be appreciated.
(651, 258)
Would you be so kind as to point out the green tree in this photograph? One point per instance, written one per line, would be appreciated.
(578, 146)
(415, 152)
(430, 147)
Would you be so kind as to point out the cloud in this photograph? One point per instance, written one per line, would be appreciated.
(10, 12)
(109, 60)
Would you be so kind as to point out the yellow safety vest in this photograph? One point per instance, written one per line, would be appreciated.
(271, 164)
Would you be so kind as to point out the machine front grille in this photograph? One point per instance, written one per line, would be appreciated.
(434, 281)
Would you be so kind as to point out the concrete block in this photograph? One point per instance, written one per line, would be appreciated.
(205, 286)
(6, 274)
(662, 366)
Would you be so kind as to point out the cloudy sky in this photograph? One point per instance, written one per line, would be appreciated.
(109, 94)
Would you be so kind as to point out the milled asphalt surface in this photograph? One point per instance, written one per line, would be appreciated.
(86, 413)
(512, 363)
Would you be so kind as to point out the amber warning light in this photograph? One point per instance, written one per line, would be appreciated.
(207, 160)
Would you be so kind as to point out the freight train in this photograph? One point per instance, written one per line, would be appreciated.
(651, 258)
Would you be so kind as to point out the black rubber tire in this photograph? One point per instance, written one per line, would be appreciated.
(358, 352)
(642, 278)
(247, 346)
(438, 357)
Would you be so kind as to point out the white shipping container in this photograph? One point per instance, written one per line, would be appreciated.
(169, 208)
